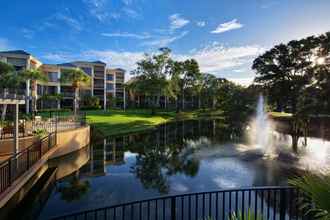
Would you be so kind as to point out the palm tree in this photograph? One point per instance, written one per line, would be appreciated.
(317, 189)
(9, 79)
(77, 78)
(34, 75)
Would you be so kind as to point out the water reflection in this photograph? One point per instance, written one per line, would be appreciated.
(176, 158)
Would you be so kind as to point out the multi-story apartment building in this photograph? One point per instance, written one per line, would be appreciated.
(21, 60)
(96, 70)
(115, 85)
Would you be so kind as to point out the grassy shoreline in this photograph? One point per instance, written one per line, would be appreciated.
(118, 122)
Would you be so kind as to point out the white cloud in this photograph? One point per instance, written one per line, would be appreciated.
(70, 21)
(4, 44)
(27, 33)
(131, 13)
(215, 59)
(227, 26)
(97, 8)
(127, 2)
(177, 21)
(163, 41)
(59, 57)
(201, 23)
(128, 35)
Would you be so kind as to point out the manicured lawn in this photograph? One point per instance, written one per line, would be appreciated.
(280, 114)
(119, 122)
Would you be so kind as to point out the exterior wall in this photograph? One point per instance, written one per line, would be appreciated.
(72, 140)
(97, 71)
(118, 84)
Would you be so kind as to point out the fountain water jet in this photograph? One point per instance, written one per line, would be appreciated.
(262, 130)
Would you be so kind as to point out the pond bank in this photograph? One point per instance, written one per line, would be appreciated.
(116, 122)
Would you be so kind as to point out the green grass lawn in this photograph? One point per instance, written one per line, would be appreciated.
(280, 114)
(115, 122)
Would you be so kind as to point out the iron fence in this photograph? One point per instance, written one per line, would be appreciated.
(271, 203)
(50, 125)
(14, 167)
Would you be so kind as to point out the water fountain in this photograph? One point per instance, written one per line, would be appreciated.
(261, 130)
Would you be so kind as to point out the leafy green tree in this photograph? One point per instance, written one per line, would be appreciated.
(151, 76)
(9, 80)
(209, 88)
(78, 78)
(283, 70)
(34, 75)
(189, 78)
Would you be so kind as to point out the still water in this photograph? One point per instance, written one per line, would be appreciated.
(176, 158)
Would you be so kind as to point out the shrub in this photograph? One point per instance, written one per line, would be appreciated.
(90, 103)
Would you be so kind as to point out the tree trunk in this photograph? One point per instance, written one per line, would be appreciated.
(34, 96)
(165, 102)
(213, 103)
(182, 100)
(4, 107)
(153, 105)
(75, 102)
(199, 101)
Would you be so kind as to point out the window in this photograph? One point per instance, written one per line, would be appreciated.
(110, 77)
(52, 77)
(109, 86)
(87, 70)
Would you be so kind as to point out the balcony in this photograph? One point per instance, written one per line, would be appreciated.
(99, 75)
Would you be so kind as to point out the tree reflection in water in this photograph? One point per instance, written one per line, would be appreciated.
(74, 189)
(165, 152)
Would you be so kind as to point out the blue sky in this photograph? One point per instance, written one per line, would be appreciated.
(223, 35)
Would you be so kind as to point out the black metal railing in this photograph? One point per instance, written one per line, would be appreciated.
(15, 166)
(60, 122)
(271, 203)
(52, 124)
(11, 96)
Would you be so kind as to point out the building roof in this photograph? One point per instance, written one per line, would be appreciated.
(67, 65)
(16, 52)
(99, 62)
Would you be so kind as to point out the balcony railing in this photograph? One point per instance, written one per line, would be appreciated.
(14, 167)
(271, 203)
(12, 96)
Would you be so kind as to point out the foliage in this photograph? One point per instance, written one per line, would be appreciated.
(287, 70)
(90, 102)
(317, 189)
(9, 78)
(34, 75)
(249, 215)
(40, 133)
(54, 97)
(151, 74)
(78, 78)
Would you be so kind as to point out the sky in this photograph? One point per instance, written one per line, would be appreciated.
(224, 36)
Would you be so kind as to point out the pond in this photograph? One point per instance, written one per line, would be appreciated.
(175, 158)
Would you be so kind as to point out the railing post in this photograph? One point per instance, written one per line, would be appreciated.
(28, 158)
(40, 149)
(49, 144)
(9, 171)
(282, 204)
(173, 208)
